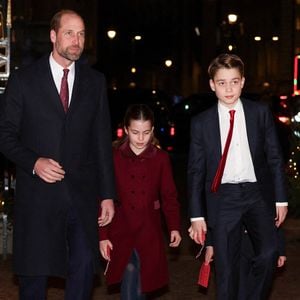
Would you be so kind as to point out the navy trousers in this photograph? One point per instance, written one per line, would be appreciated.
(79, 281)
(240, 206)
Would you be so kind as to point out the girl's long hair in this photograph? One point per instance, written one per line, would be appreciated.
(137, 112)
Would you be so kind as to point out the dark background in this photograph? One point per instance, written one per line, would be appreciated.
(169, 31)
(190, 33)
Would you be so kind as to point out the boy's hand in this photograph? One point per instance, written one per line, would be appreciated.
(197, 231)
(281, 261)
(281, 212)
(209, 253)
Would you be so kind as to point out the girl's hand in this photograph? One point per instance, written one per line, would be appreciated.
(175, 238)
(105, 247)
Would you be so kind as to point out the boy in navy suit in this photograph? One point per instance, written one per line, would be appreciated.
(246, 259)
(236, 178)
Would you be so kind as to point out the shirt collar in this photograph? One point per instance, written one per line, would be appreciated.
(224, 109)
(57, 69)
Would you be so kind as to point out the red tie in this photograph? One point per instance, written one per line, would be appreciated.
(64, 90)
(218, 177)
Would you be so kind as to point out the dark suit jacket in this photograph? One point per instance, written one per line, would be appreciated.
(205, 154)
(32, 125)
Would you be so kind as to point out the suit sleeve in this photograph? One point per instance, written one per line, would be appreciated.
(11, 117)
(281, 241)
(275, 158)
(196, 171)
(209, 238)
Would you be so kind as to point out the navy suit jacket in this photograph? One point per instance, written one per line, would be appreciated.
(205, 154)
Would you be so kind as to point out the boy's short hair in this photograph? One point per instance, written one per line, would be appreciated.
(225, 61)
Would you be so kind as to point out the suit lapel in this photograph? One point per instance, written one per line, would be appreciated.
(79, 87)
(49, 88)
(215, 136)
(251, 124)
(48, 85)
(75, 92)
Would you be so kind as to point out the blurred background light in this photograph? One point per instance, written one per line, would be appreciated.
(111, 34)
(168, 63)
(232, 18)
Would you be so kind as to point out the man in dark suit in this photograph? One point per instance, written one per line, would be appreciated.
(57, 132)
(245, 186)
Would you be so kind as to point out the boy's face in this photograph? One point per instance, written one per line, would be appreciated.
(227, 84)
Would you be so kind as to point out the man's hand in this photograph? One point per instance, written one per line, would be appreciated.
(197, 231)
(49, 170)
(281, 212)
(107, 212)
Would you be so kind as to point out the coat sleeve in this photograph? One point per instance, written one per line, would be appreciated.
(169, 197)
(103, 231)
(11, 114)
(104, 147)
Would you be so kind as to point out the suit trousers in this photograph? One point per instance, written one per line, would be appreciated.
(80, 273)
(241, 206)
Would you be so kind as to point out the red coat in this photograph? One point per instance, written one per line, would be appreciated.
(145, 187)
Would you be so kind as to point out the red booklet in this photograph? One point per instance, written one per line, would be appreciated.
(204, 275)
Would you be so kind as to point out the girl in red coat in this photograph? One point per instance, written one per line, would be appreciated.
(134, 242)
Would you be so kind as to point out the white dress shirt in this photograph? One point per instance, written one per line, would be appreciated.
(57, 73)
(239, 166)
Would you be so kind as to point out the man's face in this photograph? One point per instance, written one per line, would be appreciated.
(68, 41)
(227, 84)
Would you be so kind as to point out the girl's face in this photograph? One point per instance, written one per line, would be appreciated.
(139, 134)
(227, 84)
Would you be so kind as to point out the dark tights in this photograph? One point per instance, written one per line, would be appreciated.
(131, 283)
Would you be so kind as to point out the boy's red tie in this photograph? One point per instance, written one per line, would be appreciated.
(218, 177)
